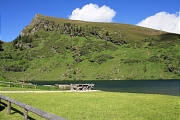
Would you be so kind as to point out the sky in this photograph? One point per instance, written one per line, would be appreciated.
(157, 14)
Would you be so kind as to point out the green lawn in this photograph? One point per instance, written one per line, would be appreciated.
(99, 106)
(17, 89)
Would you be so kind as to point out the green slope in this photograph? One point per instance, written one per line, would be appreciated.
(62, 49)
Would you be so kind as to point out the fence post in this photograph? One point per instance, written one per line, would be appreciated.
(25, 114)
(9, 108)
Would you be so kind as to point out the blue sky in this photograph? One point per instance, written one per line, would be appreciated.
(16, 14)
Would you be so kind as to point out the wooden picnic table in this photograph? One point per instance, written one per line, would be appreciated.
(81, 87)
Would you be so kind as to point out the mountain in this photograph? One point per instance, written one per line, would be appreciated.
(61, 49)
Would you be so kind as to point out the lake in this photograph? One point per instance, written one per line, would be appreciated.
(165, 87)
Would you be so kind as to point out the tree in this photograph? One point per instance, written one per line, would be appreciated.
(107, 33)
(1, 48)
(19, 37)
(68, 24)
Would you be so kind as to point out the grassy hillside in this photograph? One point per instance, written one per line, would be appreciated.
(62, 49)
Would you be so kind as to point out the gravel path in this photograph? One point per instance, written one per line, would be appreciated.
(45, 91)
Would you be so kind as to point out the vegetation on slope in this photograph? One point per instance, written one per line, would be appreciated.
(61, 49)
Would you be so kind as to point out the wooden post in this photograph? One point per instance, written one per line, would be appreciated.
(9, 108)
(9, 84)
(25, 114)
(35, 86)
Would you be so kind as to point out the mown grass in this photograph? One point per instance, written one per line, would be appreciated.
(41, 88)
(14, 89)
(5, 87)
(100, 106)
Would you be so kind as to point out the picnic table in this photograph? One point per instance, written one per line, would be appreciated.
(82, 87)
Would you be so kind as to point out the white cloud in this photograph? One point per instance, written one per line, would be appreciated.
(163, 21)
(94, 13)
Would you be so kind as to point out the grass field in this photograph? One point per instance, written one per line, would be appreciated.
(98, 106)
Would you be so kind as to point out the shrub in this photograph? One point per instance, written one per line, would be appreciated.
(174, 68)
(101, 58)
(128, 61)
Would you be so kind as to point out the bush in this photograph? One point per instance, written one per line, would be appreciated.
(128, 61)
(110, 46)
(101, 58)
(154, 59)
(174, 68)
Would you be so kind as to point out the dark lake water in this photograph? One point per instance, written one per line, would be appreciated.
(165, 87)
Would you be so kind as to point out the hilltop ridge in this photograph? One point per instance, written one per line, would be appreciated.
(61, 49)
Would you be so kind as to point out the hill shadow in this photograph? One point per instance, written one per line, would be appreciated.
(165, 87)
(169, 36)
